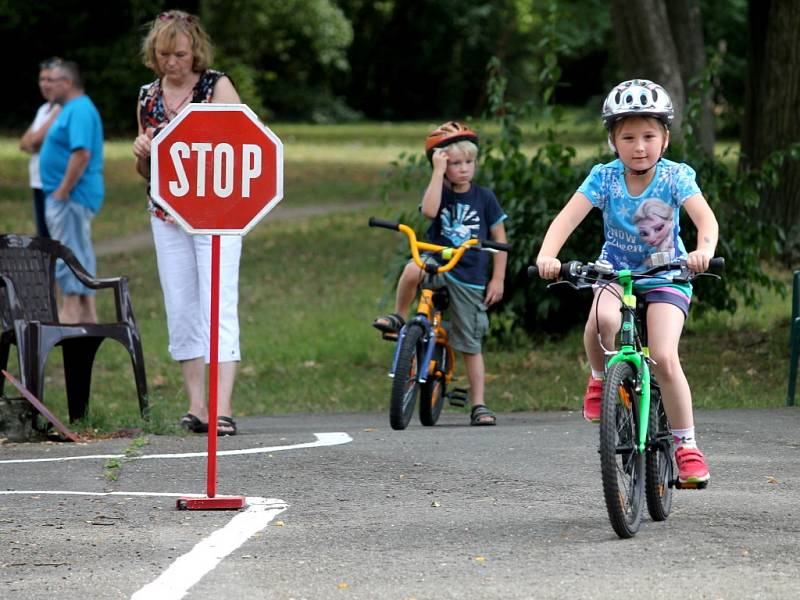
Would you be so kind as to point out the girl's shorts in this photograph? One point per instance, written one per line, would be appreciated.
(667, 296)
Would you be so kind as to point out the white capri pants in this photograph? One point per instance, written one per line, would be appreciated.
(184, 268)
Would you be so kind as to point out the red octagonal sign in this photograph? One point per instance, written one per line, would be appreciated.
(217, 169)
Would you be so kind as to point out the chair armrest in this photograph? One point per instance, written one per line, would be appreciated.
(122, 298)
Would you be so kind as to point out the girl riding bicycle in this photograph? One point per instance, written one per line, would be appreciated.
(459, 211)
(637, 115)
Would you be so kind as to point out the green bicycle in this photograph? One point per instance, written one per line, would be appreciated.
(636, 445)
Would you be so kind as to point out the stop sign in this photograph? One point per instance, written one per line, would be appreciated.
(217, 169)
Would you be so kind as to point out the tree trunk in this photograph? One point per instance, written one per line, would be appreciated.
(772, 106)
(647, 50)
(686, 25)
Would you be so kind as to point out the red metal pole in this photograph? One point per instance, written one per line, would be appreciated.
(213, 376)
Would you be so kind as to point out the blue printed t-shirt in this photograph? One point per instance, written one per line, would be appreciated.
(77, 126)
(641, 230)
(463, 216)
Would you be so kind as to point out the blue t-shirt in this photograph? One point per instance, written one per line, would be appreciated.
(641, 231)
(77, 126)
(463, 216)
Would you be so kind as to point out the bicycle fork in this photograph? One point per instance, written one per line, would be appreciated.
(429, 341)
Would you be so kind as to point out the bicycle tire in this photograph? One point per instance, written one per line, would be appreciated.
(659, 467)
(405, 386)
(432, 392)
(621, 465)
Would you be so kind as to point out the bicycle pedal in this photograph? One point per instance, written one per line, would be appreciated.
(458, 397)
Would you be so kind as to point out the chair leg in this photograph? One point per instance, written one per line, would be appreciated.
(137, 361)
(5, 348)
(79, 356)
(794, 355)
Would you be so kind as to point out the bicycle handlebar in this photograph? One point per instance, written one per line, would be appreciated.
(575, 272)
(375, 222)
(451, 254)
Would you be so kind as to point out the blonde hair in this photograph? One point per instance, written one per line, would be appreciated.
(467, 148)
(165, 28)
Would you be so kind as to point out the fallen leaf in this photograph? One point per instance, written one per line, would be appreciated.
(342, 586)
(479, 559)
(279, 523)
(772, 479)
(435, 504)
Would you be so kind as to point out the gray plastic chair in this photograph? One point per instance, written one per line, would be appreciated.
(29, 320)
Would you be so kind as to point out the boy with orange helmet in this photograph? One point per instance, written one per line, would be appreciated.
(459, 211)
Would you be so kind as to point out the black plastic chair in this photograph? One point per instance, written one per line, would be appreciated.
(794, 339)
(29, 320)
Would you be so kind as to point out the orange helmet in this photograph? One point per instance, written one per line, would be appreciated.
(448, 133)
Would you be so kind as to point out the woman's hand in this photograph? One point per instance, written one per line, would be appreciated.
(142, 143)
(549, 267)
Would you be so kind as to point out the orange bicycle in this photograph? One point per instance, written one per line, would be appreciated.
(424, 362)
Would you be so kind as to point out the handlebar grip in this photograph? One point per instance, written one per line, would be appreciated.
(533, 272)
(496, 245)
(375, 222)
(717, 264)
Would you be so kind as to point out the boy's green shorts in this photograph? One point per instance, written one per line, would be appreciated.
(468, 321)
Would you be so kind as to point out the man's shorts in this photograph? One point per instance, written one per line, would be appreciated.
(468, 321)
(71, 224)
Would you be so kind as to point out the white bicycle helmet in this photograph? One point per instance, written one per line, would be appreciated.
(640, 97)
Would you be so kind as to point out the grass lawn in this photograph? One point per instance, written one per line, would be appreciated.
(311, 287)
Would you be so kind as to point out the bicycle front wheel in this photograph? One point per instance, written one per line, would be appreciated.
(659, 466)
(404, 385)
(621, 464)
(432, 392)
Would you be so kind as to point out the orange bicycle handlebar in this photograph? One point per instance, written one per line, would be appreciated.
(450, 254)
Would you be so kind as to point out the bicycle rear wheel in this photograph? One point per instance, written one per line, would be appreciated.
(621, 465)
(404, 385)
(658, 464)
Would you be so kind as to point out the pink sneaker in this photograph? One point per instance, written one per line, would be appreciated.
(593, 399)
(692, 466)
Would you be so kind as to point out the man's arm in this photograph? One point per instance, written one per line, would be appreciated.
(78, 161)
(32, 139)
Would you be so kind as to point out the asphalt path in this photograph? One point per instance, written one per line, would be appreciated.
(513, 511)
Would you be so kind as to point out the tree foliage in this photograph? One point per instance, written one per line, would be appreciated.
(290, 52)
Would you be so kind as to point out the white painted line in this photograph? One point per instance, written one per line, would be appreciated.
(323, 439)
(190, 568)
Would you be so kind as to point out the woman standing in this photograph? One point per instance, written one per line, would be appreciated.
(179, 52)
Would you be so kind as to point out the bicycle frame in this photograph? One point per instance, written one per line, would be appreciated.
(628, 352)
(427, 315)
(430, 318)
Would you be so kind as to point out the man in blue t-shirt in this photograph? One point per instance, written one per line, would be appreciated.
(71, 166)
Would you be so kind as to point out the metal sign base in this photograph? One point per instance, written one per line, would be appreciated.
(216, 503)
